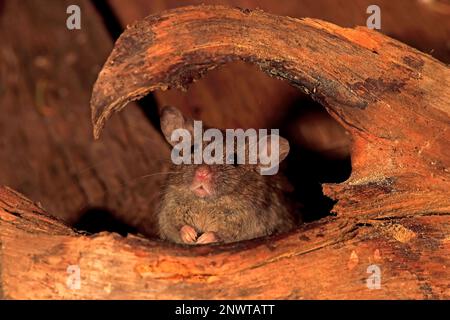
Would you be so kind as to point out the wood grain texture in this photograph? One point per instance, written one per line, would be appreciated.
(239, 95)
(321, 260)
(393, 99)
(393, 212)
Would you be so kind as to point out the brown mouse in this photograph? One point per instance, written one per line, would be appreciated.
(221, 202)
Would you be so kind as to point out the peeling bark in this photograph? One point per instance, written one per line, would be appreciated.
(393, 212)
(321, 260)
(393, 99)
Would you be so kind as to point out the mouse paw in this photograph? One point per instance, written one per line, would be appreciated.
(207, 237)
(188, 234)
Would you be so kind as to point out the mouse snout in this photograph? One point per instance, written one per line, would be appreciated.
(202, 182)
(203, 173)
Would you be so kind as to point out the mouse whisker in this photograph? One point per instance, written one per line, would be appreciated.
(129, 183)
(154, 174)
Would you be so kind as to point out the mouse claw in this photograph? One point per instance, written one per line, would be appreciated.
(188, 234)
(207, 237)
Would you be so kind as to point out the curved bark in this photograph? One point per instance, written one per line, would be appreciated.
(330, 259)
(393, 99)
(393, 212)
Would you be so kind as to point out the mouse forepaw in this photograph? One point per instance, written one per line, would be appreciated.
(207, 237)
(188, 234)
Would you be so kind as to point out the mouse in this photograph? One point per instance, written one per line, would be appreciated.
(221, 203)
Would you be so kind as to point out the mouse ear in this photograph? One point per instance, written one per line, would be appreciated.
(266, 143)
(284, 148)
(171, 119)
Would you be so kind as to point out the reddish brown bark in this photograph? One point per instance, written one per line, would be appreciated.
(239, 95)
(323, 260)
(393, 212)
(393, 99)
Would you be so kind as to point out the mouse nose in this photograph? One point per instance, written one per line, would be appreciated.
(203, 173)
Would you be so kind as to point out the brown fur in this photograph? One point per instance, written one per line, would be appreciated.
(244, 204)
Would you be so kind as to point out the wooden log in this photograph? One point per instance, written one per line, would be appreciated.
(330, 259)
(393, 99)
(239, 95)
(386, 94)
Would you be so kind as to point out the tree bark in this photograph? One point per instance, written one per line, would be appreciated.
(259, 101)
(392, 99)
(330, 259)
(239, 95)
(392, 214)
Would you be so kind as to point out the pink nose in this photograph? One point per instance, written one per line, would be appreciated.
(202, 173)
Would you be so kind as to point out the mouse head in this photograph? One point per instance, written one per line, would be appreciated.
(210, 163)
